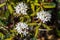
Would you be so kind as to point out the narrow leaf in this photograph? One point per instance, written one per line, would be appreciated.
(37, 30)
(47, 27)
(2, 4)
(32, 7)
(10, 8)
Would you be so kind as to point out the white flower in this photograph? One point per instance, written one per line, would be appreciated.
(22, 28)
(44, 16)
(21, 8)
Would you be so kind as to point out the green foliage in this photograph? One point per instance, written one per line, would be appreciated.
(2, 4)
(7, 14)
(1, 36)
(47, 27)
(10, 8)
(7, 18)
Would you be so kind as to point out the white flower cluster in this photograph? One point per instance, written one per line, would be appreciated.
(21, 8)
(44, 16)
(22, 28)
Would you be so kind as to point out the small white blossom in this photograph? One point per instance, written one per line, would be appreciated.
(21, 8)
(44, 16)
(22, 28)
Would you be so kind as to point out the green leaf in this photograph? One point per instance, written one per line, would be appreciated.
(37, 30)
(32, 24)
(37, 4)
(36, 1)
(33, 7)
(7, 14)
(33, 14)
(21, 19)
(2, 4)
(12, 3)
(1, 36)
(11, 38)
(47, 27)
(42, 0)
(37, 9)
(10, 9)
(28, 1)
(49, 5)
